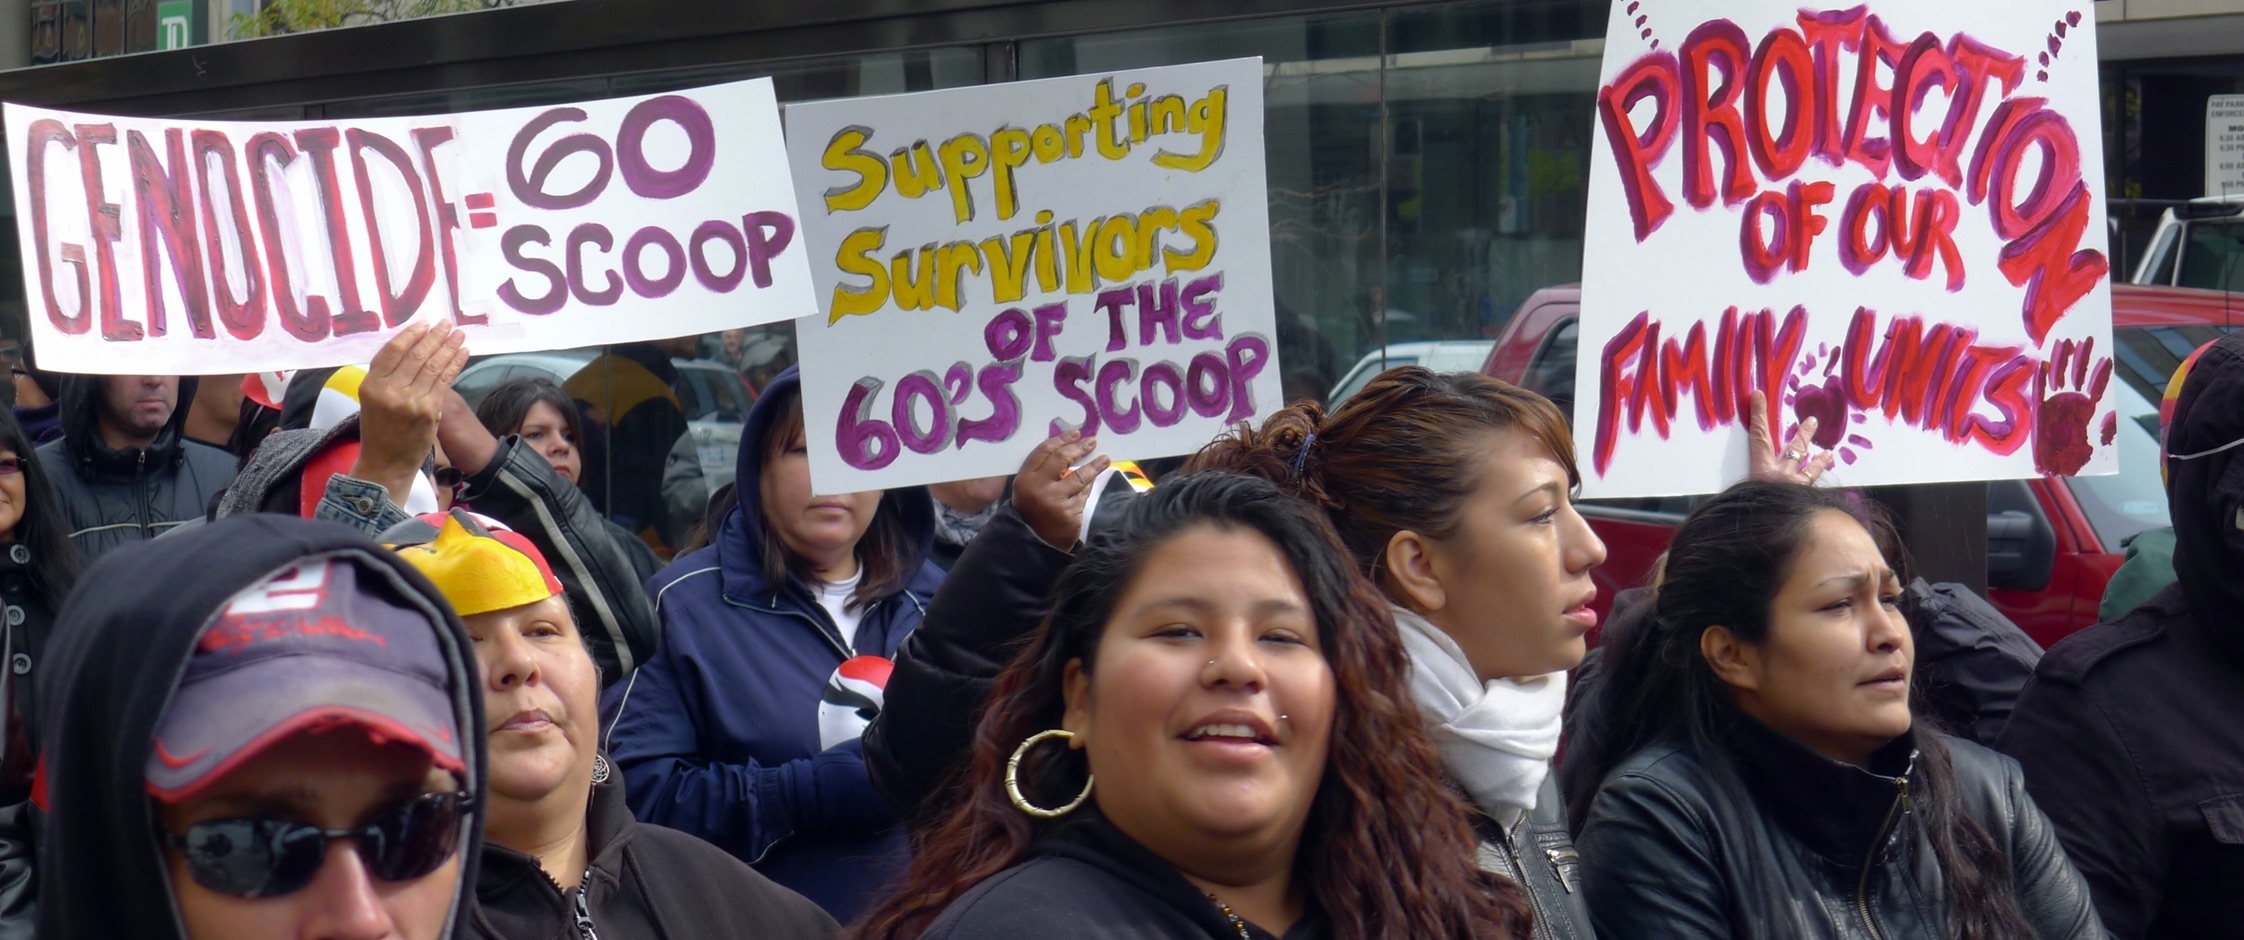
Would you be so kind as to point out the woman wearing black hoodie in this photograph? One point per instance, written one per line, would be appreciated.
(130, 699)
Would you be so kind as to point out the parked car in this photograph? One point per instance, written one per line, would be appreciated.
(2052, 543)
(1457, 355)
(714, 397)
(2200, 244)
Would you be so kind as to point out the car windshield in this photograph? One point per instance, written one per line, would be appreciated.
(2213, 255)
(2134, 499)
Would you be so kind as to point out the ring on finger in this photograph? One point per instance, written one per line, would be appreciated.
(1792, 453)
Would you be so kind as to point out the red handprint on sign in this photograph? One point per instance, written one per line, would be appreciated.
(2067, 390)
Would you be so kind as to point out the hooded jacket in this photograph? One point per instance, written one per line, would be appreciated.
(118, 496)
(116, 657)
(2129, 731)
(645, 883)
(718, 734)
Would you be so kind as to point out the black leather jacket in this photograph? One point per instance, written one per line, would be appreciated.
(1538, 853)
(1808, 848)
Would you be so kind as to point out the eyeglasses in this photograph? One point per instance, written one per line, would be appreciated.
(10, 466)
(262, 858)
(450, 478)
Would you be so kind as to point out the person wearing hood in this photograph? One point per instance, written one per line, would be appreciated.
(266, 735)
(744, 728)
(124, 467)
(2128, 732)
(562, 856)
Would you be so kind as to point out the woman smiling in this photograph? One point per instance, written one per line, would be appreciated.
(1208, 737)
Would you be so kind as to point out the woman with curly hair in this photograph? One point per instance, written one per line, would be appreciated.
(1209, 736)
(1454, 494)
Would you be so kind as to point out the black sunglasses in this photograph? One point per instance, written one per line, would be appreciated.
(263, 858)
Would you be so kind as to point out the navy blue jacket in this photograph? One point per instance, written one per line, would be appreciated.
(717, 734)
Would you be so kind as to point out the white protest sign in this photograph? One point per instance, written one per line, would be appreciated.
(999, 263)
(167, 246)
(1888, 217)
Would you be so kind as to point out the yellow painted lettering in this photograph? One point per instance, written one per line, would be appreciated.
(856, 257)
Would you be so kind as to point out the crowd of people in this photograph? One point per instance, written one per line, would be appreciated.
(388, 670)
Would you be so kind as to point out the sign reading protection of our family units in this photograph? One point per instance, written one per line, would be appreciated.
(161, 246)
(1888, 217)
(999, 264)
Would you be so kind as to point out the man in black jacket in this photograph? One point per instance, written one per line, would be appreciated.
(2129, 733)
(124, 469)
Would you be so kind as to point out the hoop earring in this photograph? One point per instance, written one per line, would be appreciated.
(1013, 781)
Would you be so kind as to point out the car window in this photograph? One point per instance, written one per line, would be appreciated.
(2148, 355)
(2134, 499)
(1551, 372)
(693, 394)
(1363, 374)
(2213, 254)
(476, 382)
(728, 393)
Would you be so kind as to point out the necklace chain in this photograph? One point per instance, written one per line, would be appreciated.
(1236, 923)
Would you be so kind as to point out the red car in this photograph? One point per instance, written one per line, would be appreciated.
(2052, 543)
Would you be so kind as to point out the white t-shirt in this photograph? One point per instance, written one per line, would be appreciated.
(834, 596)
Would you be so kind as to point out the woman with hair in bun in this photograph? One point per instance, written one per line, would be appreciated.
(1454, 494)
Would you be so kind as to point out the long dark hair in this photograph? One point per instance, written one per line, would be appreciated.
(508, 405)
(885, 555)
(1387, 850)
(1729, 559)
(55, 562)
(1399, 455)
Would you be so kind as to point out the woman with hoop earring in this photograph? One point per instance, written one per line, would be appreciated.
(1209, 737)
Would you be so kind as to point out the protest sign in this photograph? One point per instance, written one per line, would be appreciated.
(1001, 263)
(165, 246)
(1888, 217)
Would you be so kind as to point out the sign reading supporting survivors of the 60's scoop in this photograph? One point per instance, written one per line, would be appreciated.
(160, 246)
(1001, 263)
(1889, 217)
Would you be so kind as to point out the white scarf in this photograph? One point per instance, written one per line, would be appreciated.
(1496, 738)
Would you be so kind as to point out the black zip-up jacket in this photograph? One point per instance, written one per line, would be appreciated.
(2132, 733)
(1808, 848)
(1085, 880)
(645, 883)
(114, 497)
(990, 602)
